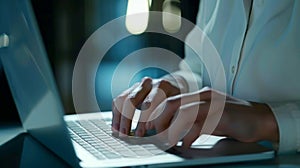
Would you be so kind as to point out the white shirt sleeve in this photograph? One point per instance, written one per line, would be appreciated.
(259, 48)
(191, 67)
(288, 118)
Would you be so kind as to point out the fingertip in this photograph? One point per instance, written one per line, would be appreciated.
(186, 144)
(116, 126)
(146, 79)
(173, 142)
(123, 132)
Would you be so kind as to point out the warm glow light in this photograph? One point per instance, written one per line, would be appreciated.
(137, 16)
(150, 3)
(171, 16)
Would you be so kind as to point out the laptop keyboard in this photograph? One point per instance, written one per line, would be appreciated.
(96, 137)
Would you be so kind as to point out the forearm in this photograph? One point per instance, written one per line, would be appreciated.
(267, 128)
(251, 122)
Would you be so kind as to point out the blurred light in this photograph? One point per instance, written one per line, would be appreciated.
(4, 40)
(171, 15)
(150, 3)
(137, 16)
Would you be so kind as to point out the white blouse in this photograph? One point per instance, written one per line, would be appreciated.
(259, 45)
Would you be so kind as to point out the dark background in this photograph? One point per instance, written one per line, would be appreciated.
(66, 24)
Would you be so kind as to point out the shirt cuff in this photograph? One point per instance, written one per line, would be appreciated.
(288, 120)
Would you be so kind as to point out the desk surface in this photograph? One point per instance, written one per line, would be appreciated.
(9, 130)
(25, 151)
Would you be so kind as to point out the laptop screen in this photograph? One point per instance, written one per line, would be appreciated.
(30, 79)
(8, 113)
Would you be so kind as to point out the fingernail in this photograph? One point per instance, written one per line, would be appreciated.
(145, 105)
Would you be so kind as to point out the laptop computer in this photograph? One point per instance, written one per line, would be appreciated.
(85, 140)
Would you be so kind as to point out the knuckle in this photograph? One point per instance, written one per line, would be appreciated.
(168, 87)
(163, 83)
(115, 101)
(131, 101)
(207, 90)
(172, 102)
(119, 99)
(128, 100)
(146, 80)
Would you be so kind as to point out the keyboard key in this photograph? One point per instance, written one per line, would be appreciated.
(96, 137)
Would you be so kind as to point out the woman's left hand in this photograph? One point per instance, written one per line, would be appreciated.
(187, 116)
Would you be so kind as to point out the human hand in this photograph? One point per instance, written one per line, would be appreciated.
(185, 117)
(146, 95)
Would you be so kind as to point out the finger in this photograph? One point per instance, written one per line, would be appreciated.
(163, 114)
(168, 88)
(183, 122)
(126, 117)
(155, 97)
(115, 118)
(192, 135)
(160, 91)
(149, 125)
(130, 104)
(138, 95)
(197, 128)
(212, 110)
(117, 106)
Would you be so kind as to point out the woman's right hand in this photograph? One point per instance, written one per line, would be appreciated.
(146, 96)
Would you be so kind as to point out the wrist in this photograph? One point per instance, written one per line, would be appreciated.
(268, 129)
(256, 123)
